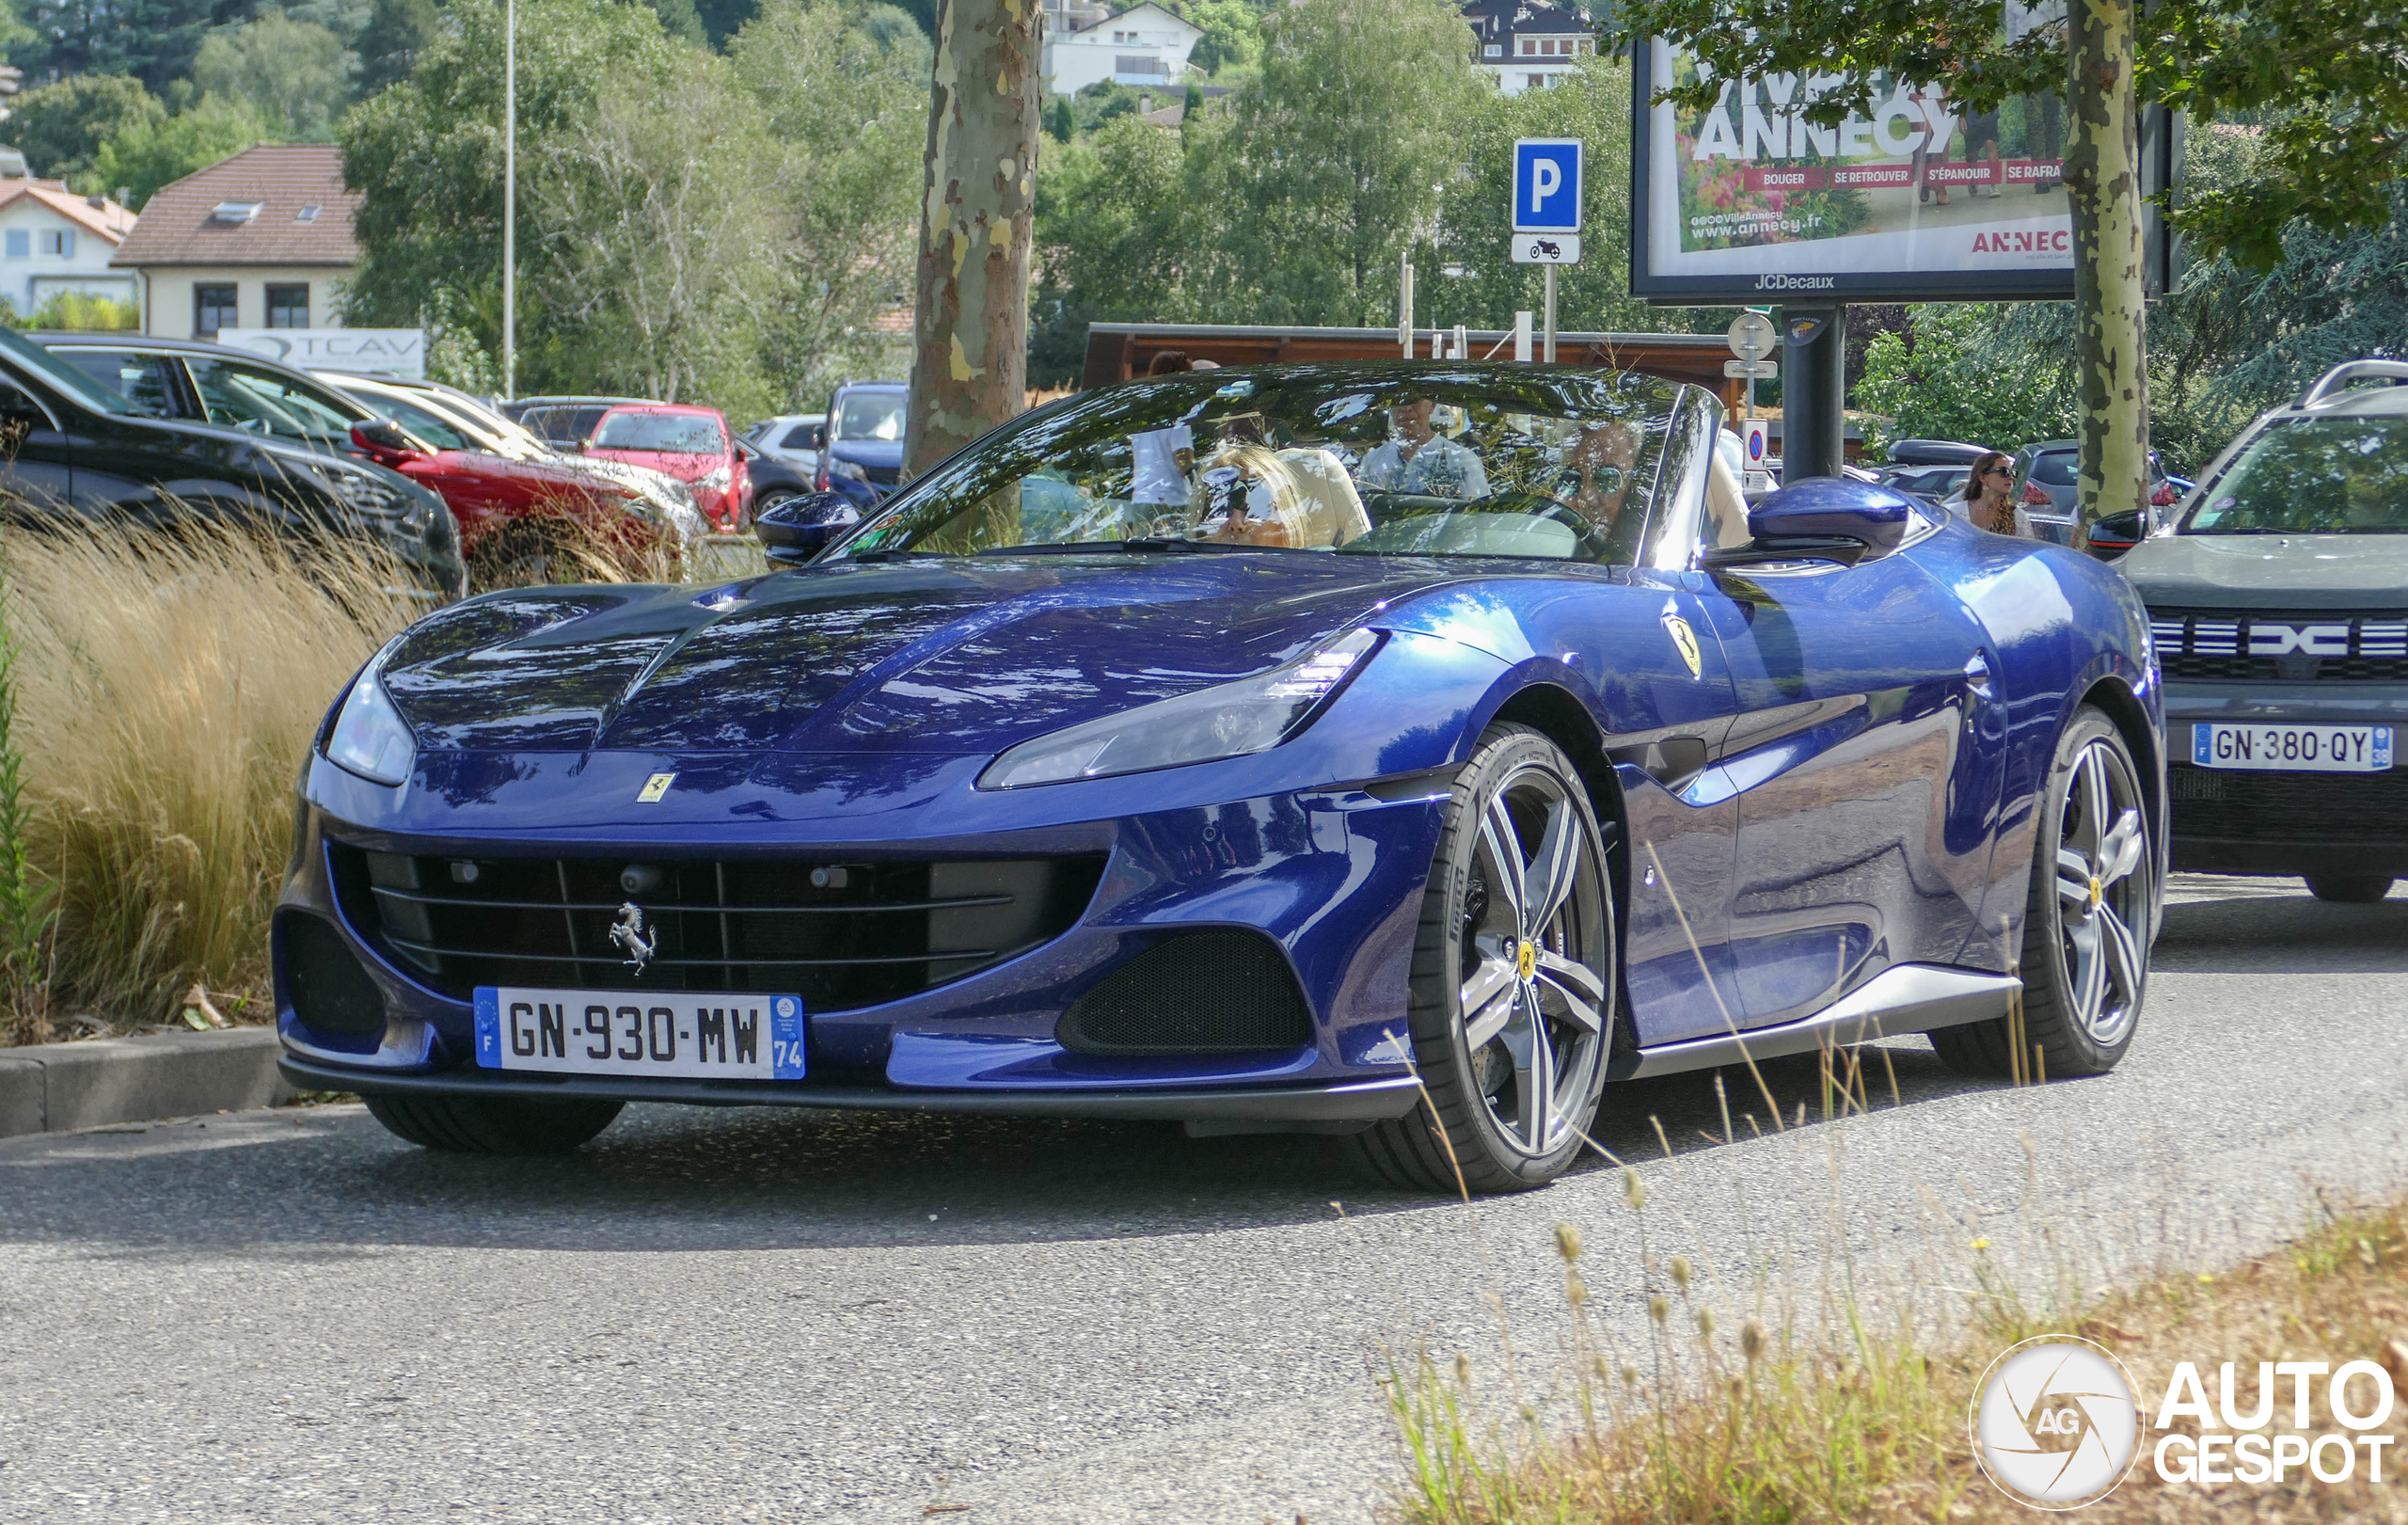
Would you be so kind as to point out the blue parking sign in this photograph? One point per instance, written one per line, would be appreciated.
(1546, 186)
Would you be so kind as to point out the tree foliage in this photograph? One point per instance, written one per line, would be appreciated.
(1279, 212)
(60, 127)
(1333, 160)
(397, 32)
(155, 151)
(297, 73)
(710, 227)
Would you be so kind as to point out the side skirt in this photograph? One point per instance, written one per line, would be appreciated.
(1903, 998)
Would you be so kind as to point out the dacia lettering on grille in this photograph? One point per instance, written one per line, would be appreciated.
(2307, 639)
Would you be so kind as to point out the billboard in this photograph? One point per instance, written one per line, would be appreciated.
(1915, 197)
(391, 351)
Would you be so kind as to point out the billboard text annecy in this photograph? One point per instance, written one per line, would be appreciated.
(1915, 196)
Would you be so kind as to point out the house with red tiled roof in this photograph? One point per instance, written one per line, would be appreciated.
(52, 241)
(261, 240)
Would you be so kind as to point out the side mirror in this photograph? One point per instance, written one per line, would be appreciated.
(819, 437)
(793, 532)
(1822, 518)
(383, 441)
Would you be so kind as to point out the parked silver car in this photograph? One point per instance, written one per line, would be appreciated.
(2278, 609)
(792, 438)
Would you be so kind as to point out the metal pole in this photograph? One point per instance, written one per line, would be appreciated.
(1404, 303)
(1548, 350)
(510, 202)
(1522, 336)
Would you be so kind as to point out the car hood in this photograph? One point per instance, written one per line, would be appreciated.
(679, 464)
(867, 452)
(921, 656)
(2270, 571)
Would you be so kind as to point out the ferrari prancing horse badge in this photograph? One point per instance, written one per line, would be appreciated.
(1684, 642)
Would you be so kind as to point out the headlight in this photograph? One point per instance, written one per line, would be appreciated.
(839, 467)
(716, 478)
(363, 491)
(1230, 719)
(369, 737)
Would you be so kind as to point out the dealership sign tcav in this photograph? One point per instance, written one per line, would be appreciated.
(388, 351)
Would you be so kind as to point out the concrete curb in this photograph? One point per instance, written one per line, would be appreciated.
(50, 1088)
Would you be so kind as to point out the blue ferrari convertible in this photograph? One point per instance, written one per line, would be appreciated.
(1407, 751)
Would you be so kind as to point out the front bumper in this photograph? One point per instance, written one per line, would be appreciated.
(1333, 876)
(2231, 822)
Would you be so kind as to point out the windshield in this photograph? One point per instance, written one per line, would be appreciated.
(877, 415)
(243, 397)
(678, 434)
(2314, 476)
(434, 430)
(73, 384)
(1396, 459)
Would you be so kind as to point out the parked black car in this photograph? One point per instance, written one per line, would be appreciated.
(2279, 608)
(71, 444)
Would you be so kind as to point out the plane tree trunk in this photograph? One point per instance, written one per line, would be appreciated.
(969, 332)
(2102, 169)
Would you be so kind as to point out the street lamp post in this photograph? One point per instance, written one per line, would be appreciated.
(510, 202)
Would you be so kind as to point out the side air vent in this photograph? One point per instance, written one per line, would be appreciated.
(1220, 992)
(330, 991)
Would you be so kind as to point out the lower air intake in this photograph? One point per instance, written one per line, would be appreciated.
(1221, 991)
(329, 990)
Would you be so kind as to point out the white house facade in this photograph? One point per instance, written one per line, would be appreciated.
(1142, 46)
(1528, 44)
(52, 241)
(261, 240)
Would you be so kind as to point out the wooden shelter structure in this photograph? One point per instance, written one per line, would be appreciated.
(1119, 351)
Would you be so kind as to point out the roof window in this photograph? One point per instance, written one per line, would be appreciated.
(309, 213)
(232, 214)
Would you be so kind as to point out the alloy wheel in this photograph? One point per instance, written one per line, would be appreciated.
(2103, 892)
(1533, 1005)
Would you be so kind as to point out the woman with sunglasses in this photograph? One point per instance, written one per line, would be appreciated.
(1985, 501)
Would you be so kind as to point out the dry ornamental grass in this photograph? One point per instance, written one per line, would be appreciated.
(168, 691)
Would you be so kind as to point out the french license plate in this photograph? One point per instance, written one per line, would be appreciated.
(2305, 749)
(679, 1035)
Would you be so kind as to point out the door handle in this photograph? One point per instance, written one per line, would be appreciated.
(1977, 674)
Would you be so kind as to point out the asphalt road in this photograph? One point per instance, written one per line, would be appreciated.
(767, 1315)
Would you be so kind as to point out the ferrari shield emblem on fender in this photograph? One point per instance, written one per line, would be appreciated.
(657, 785)
(1684, 642)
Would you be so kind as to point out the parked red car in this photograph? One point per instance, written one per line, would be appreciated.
(693, 444)
(518, 518)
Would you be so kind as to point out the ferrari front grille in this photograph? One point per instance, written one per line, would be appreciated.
(2268, 645)
(839, 933)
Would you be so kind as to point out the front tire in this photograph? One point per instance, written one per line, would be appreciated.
(2350, 889)
(1512, 1002)
(2087, 919)
(493, 1124)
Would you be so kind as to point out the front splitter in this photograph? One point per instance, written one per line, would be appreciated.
(1362, 1101)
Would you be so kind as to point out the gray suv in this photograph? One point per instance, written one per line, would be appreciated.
(2279, 608)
